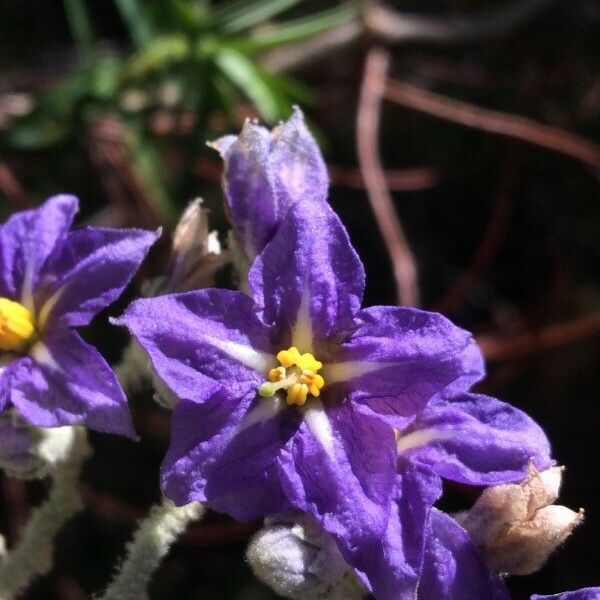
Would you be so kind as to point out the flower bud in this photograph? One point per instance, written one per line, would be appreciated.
(196, 253)
(28, 452)
(516, 526)
(298, 560)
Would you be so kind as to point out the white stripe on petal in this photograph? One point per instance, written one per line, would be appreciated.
(421, 437)
(316, 419)
(344, 371)
(248, 356)
(302, 337)
(27, 289)
(262, 412)
(42, 355)
(48, 306)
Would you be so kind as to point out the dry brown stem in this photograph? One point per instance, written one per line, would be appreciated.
(493, 121)
(367, 130)
(498, 348)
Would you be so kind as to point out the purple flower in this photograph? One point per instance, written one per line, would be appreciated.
(470, 439)
(50, 281)
(265, 173)
(287, 397)
(591, 593)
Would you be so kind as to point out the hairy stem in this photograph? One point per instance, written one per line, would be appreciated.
(32, 556)
(151, 542)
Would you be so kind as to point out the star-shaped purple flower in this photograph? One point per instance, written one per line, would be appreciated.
(52, 280)
(287, 396)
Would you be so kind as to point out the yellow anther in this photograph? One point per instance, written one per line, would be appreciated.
(297, 394)
(276, 374)
(307, 362)
(289, 357)
(16, 325)
(297, 374)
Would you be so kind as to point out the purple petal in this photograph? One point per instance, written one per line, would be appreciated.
(26, 241)
(309, 278)
(391, 566)
(340, 467)
(477, 440)
(221, 453)
(201, 341)
(590, 593)
(400, 358)
(6, 374)
(88, 271)
(299, 172)
(248, 185)
(65, 382)
(452, 567)
(267, 172)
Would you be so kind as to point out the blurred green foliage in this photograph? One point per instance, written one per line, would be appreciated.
(187, 57)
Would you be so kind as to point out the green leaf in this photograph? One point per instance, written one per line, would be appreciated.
(249, 14)
(289, 88)
(80, 26)
(136, 21)
(248, 78)
(189, 15)
(299, 29)
(164, 51)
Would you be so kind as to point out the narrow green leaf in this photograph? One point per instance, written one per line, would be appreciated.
(136, 21)
(189, 15)
(255, 13)
(80, 26)
(293, 31)
(164, 51)
(244, 74)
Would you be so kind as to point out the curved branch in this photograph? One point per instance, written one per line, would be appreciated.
(367, 128)
(497, 348)
(395, 27)
(493, 121)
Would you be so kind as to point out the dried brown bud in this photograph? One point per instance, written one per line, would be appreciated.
(517, 526)
(196, 252)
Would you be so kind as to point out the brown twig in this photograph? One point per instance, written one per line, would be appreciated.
(391, 26)
(492, 121)
(485, 24)
(397, 180)
(367, 128)
(490, 244)
(497, 348)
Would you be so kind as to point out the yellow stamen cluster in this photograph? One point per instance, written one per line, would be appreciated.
(297, 374)
(16, 325)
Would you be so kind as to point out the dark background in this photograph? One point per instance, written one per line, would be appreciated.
(521, 220)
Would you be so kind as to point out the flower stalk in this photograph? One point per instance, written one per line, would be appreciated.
(150, 544)
(32, 556)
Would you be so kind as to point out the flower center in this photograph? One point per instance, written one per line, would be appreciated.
(297, 374)
(16, 325)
